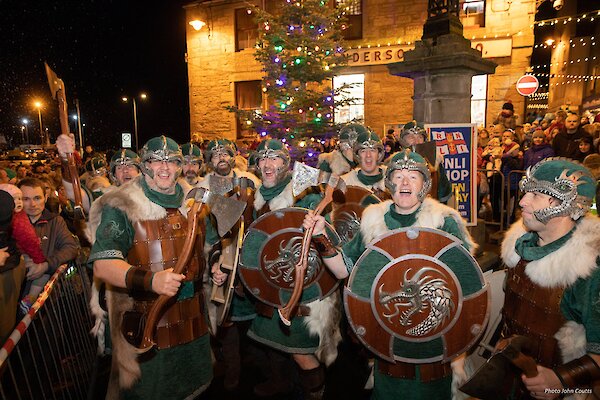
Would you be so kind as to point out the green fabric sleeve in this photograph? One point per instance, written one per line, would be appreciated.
(212, 236)
(581, 303)
(310, 201)
(352, 250)
(450, 226)
(114, 236)
(324, 166)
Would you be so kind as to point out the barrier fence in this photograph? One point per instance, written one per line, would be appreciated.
(50, 354)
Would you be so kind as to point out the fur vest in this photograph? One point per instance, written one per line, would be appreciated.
(551, 271)
(325, 314)
(431, 215)
(130, 199)
(351, 179)
(337, 163)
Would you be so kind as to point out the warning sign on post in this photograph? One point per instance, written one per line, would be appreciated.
(527, 85)
(126, 140)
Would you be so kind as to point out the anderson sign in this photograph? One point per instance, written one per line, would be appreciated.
(490, 48)
(376, 55)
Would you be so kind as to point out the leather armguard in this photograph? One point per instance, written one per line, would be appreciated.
(581, 372)
(139, 280)
(324, 246)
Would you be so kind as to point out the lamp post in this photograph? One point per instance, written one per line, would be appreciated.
(38, 105)
(125, 99)
(79, 125)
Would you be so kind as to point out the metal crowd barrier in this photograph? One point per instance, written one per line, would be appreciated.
(517, 198)
(50, 354)
(502, 195)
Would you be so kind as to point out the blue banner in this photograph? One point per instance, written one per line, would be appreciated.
(457, 144)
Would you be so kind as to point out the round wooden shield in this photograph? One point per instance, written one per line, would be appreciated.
(347, 209)
(416, 295)
(271, 249)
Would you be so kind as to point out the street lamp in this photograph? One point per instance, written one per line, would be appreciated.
(125, 99)
(38, 105)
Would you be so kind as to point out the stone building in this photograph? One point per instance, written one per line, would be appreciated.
(222, 70)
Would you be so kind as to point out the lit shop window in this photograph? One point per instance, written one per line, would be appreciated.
(478, 99)
(356, 110)
(472, 13)
(248, 96)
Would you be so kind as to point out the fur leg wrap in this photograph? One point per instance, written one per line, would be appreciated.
(324, 320)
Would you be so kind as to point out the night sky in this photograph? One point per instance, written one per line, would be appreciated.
(102, 50)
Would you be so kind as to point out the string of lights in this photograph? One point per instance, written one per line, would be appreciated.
(591, 16)
(550, 43)
(579, 60)
(590, 77)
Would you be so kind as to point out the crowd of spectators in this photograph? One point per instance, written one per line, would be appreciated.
(506, 149)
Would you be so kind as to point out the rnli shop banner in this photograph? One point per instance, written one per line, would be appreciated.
(457, 144)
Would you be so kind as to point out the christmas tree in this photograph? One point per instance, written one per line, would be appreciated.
(300, 49)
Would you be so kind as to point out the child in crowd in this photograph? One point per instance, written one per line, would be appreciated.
(29, 245)
(493, 155)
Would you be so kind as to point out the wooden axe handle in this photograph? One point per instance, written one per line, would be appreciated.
(526, 364)
(186, 253)
(300, 268)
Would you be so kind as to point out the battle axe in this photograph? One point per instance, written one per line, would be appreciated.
(224, 184)
(502, 369)
(227, 212)
(304, 177)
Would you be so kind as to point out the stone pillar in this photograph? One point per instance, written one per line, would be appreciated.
(442, 69)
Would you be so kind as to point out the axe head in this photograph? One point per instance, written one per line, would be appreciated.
(304, 177)
(227, 211)
(497, 376)
(220, 184)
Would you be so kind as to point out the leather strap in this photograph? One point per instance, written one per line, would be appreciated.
(579, 373)
(267, 311)
(428, 372)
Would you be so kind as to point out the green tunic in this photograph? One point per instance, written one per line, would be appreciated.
(387, 387)
(170, 373)
(271, 331)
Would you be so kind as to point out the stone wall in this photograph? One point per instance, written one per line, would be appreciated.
(214, 65)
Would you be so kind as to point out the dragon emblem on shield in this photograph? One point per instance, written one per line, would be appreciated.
(282, 268)
(417, 294)
(346, 225)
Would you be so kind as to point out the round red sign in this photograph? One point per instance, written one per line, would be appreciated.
(527, 85)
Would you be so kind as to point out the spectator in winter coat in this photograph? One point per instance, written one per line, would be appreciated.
(585, 148)
(566, 143)
(538, 150)
(507, 117)
(58, 244)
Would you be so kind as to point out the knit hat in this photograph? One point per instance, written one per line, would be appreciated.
(7, 206)
(508, 106)
(564, 179)
(10, 189)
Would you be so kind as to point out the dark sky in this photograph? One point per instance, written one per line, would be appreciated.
(102, 50)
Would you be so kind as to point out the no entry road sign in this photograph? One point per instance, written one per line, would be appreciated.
(527, 85)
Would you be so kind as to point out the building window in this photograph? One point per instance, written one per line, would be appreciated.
(248, 96)
(472, 13)
(354, 17)
(355, 111)
(246, 30)
(478, 99)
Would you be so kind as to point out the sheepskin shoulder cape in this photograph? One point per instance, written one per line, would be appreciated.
(282, 200)
(550, 271)
(336, 161)
(351, 179)
(558, 269)
(431, 215)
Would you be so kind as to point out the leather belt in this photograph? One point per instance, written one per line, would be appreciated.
(267, 311)
(428, 372)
